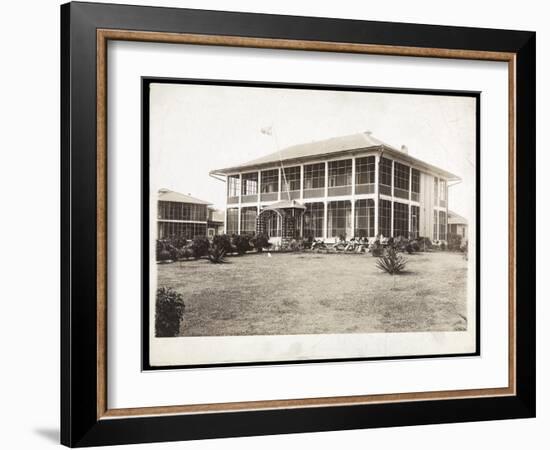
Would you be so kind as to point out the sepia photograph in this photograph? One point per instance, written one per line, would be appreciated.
(298, 223)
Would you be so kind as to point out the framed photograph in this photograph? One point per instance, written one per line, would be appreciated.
(277, 224)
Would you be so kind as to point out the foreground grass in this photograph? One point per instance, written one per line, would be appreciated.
(304, 293)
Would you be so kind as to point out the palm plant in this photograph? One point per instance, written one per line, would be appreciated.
(391, 262)
(216, 255)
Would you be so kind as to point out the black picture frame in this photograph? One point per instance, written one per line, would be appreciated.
(81, 423)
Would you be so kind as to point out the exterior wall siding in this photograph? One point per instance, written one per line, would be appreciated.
(427, 203)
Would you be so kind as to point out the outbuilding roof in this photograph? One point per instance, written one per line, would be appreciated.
(454, 218)
(171, 196)
(335, 146)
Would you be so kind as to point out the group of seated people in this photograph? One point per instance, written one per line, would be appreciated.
(355, 244)
(361, 244)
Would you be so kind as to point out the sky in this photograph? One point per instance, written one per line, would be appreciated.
(195, 129)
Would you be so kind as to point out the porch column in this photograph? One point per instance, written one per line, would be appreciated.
(376, 191)
(410, 195)
(239, 220)
(240, 199)
(353, 176)
(326, 179)
(392, 194)
(436, 208)
(259, 190)
(325, 220)
(279, 193)
(353, 197)
(437, 224)
(301, 181)
(240, 187)
(225, 216)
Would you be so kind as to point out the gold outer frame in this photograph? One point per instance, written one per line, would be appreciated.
(104, 35)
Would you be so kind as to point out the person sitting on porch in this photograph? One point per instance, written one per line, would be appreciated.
(352, 244)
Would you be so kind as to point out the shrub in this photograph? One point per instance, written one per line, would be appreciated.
(169, 309)
(376, 248)
(392, 262)
(295, 245)
(261, 241)
(223, 241)
(200, 246)
(177, 241)
(241, 243)
(216, 255)
(443, 246)
(424, 243)
(454, 242)
(400, 243)
(163, 255)
(185, 252)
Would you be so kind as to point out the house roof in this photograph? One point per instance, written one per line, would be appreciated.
(171, 196)
(335, 146)
(454, 218)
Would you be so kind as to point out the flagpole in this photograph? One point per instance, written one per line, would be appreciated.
(270, 131)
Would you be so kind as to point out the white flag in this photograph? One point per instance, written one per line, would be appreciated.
(267, 130)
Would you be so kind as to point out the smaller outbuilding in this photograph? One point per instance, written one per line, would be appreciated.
(457, 224)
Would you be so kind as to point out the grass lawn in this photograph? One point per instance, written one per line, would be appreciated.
(306, 293)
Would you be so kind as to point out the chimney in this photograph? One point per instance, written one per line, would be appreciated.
(368, 132)
(405, 149)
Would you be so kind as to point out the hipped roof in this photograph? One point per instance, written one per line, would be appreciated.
(171, 196)
(332, 147)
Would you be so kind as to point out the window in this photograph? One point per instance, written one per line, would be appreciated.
(364, 170)
(436, 191)
(233, 185)
(400, 219)
(314, 217)
(181, 230)
(415, 182)
(435, 225)
(250, 183)
(248, 220)
(442, 192)
(442, 225)
(181, 211)
(292, 177)
(270, 181)
(415, 221)
(385, 172)
(314, 176)
(339, 218)
(364, 218)
(339, 173)
(384, 218)
(232, 221)
(401, 176)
